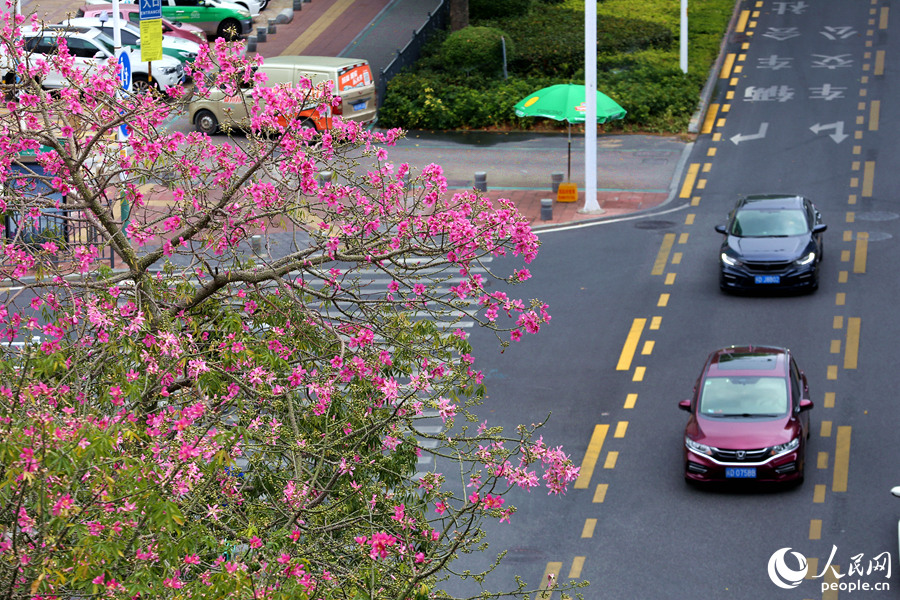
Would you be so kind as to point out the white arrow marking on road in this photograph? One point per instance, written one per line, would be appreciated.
(763, 127)
(838, 136)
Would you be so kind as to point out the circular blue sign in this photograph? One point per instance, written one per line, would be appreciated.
(125, 71)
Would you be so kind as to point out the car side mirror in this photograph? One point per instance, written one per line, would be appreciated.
(820, 228)
(721, 229)
(685, 405)
(805, 404)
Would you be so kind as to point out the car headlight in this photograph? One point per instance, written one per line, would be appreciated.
(805, 260)
(729, 260)
(696, 447)
(169, 70)
(244, 13)
(782, 448)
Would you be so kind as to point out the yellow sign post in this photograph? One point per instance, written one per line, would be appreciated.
(567, 192)
(151, 40)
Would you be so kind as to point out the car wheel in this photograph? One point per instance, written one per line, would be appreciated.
(206, 122)
(140, 84)
(230, 30)
(263, 4)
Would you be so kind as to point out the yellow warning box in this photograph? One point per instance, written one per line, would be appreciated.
(567, 192)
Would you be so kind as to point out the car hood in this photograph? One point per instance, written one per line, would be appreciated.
(742, 434)
(772, 248)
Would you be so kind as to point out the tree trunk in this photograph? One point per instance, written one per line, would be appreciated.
(459, 14)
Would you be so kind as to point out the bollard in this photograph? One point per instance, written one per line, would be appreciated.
(481, 181)
(256, 244)
(285, 16)
(546, 209)
(251, 43)
(556, 179)
(271, 25)
(260, 34)
(323, 177)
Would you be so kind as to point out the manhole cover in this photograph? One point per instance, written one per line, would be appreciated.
(876, 215)
(654, 224)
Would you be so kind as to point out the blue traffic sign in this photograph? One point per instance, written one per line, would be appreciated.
(151, 9)
(124, 71)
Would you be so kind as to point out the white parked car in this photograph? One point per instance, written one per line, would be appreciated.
(90, 47)
(180, 49)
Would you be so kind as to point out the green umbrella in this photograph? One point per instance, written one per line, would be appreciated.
(566, 102)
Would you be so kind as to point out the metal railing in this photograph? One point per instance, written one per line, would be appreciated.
(410, 53)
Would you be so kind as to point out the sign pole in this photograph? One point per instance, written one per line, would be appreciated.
(590, 116)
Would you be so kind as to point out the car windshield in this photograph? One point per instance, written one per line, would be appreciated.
(742, 396)
(768, 223)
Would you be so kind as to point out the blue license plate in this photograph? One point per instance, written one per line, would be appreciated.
(740, 472)
(767, 279)
(359, 106)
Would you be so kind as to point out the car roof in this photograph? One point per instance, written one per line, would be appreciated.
(771, 202)
(748, 360)
(89, 32)
(89, 22)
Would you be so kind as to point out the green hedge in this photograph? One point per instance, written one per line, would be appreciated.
(637, 63)
(551, 40)
(475, 49)
(498, 9)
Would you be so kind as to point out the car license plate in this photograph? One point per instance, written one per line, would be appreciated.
(359, 106)
(767, 279)
(740, 472)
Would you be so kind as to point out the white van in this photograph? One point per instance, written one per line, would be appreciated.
(352, 81)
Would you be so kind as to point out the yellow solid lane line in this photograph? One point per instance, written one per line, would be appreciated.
(862, 252)
(710, 119)
(591, 456)
(851, 354)
(662, 257)
(631, 342)
(874, 114)
(726, 68)
(742, 21)
(318, 27)
(868, 179)
(689, 180)
(841, 459)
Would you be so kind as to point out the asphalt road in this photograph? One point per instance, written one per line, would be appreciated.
(804, 106)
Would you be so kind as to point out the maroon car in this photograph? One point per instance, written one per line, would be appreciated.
(749, 417)
(132, 13)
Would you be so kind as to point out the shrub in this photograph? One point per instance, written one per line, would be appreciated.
(475, 49)
(550, 41)
(498, 9)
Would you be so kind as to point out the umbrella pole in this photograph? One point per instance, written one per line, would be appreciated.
(569, 177)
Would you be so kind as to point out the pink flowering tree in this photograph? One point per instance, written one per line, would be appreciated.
(204, 392)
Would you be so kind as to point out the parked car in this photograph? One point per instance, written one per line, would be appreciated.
(132, 13)
(749, 417)
(216, 17)
(90, 47)
(772, 241)
(182, 50)
(351, 79)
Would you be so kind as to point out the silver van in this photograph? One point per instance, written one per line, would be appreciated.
(352, 81)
